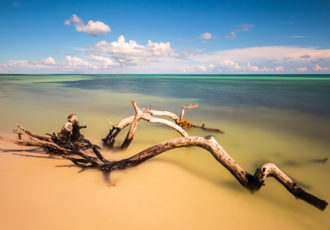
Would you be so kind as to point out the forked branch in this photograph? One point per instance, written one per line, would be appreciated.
(150, 115)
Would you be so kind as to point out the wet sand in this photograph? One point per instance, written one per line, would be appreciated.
(169, 192)
(180, 189)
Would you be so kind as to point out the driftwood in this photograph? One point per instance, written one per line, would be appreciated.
(86, 155)
(150, 115)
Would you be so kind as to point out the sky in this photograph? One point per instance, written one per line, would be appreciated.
(165, 37)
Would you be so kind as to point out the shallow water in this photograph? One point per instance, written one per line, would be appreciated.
(282, 119)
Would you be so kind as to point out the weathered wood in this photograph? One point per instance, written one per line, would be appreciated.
(133, 127)
(33, 135)
(109, 140)
(149, 115)
(75, 132)
(251, 182)
(133, 121)
(146, 115)
(186, 108)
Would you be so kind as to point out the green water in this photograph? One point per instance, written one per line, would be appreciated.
(279, 118)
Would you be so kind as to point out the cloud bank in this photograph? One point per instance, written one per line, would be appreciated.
(128, 56)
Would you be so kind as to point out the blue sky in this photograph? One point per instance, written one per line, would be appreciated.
(228, 36)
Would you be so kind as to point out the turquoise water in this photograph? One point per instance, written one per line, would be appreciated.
(280, 118)
(255, 99)
(303, 93)
(309, 94)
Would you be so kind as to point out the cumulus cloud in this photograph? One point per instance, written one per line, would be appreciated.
(105, 62)
(132, 53)
(94, 28)
(206, 36)
(319, 68)
(36, 64)
(232, 66)
(49, 61)
(76, 63)
(240, 28)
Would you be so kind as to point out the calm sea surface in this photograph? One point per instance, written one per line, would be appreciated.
(284, 119)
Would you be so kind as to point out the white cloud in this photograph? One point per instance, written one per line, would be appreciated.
(267, 54)
(69, 64)
(254, 68)
(196, 68)
(49, 61)
(106, 62)
(76, 63)
(202, 68)
(232, 66)
(132, 53)
(319, 68)
(206, 36)
(122, 56)
(240, 28)
(94, 28)
(36, 64)
(302, 69)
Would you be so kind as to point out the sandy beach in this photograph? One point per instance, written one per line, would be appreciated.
(42, 193)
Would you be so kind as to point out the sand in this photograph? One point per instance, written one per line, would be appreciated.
(159, 194)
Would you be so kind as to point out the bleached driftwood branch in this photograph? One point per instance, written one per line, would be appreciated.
(149, 115)
(249, 181)
(146, 115)
(252, 182)
(186, 108)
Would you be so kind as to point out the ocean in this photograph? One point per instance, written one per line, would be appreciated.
(283, 119)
